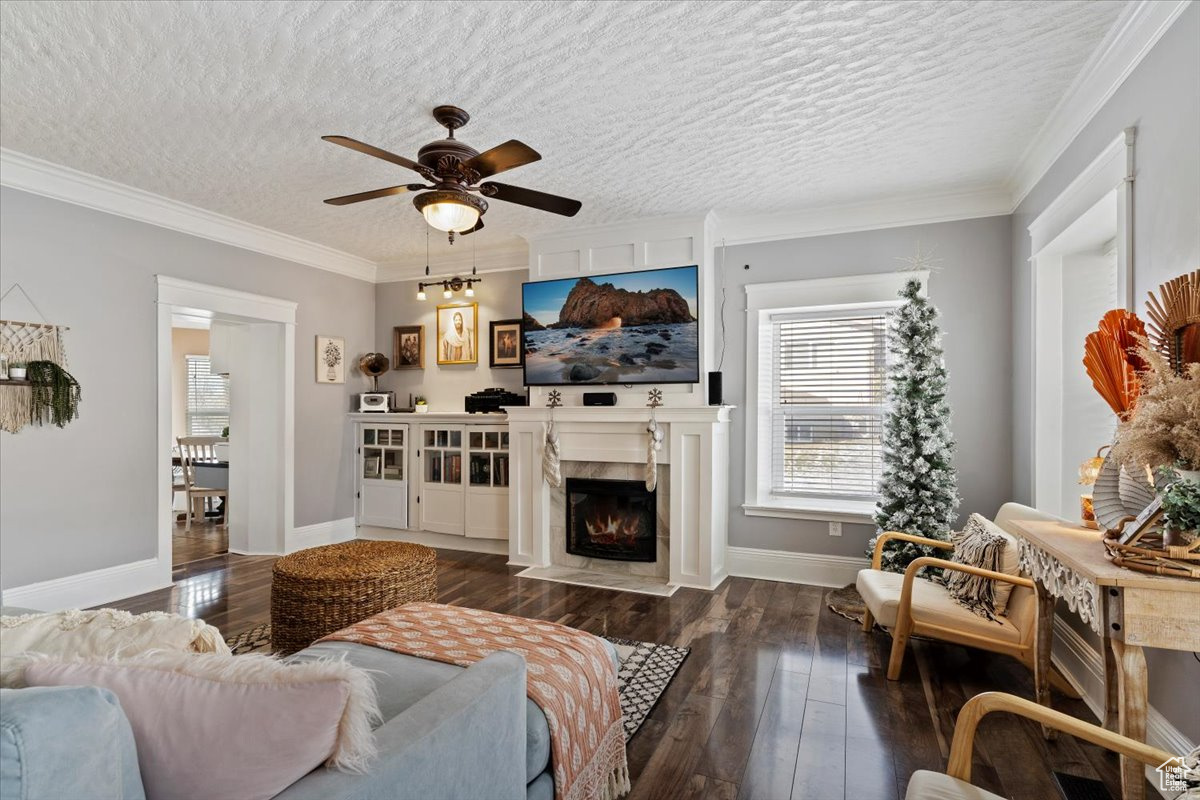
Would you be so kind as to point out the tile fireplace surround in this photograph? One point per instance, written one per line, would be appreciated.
(693, 492)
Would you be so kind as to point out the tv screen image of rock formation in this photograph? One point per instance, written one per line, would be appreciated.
(632, 327)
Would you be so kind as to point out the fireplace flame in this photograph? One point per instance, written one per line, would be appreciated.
(612, 530)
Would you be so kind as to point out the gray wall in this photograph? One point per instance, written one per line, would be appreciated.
(973, 291)
(499, 297)
(84, 497)
(1162, 98)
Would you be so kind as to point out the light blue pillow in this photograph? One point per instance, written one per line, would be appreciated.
(66, 741)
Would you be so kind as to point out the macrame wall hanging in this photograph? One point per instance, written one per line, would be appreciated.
(46, 392)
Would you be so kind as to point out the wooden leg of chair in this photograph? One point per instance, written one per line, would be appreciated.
(899, 643)
(190, 512)
(868, 620)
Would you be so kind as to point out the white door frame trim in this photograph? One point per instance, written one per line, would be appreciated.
(1113, 168)
(172, 294)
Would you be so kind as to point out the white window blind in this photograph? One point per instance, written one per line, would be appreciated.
(826, 402)
(207, 399)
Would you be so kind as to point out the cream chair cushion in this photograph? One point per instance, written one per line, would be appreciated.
(931, 604)
(926, 785)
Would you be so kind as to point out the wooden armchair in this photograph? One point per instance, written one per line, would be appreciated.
(956, 782)
(911, 606)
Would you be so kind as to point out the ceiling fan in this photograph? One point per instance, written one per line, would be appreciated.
(452, 203)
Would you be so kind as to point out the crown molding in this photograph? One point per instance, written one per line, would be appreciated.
(29, 174)
(1132, 36)
(895, 212)
(498, 259)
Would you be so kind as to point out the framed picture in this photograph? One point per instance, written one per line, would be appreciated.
(458, 334)
(331, 359)
(409, 349)
(506, 343)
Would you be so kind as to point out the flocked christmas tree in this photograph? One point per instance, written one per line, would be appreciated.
(918, 491)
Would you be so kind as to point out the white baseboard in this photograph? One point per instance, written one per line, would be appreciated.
(780, 565)
(445, 541)
(91, 588)
(332, 532)
(1083, 666)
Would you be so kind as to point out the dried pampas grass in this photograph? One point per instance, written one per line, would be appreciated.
(1164, 429)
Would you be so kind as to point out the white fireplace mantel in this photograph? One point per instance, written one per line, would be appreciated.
(695, 451)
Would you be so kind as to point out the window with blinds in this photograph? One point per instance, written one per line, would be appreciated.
(207, 399)
(826, 402)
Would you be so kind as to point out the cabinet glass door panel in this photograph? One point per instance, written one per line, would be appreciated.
(491, 440)
(433, 466)
(499, 469)
(504, 440)
(456, 438)
(481, 469)
(452, 473)
(430, 438)
(475, 438)
(443, 438)
(372, 463)
(368, 436)
(393, 464)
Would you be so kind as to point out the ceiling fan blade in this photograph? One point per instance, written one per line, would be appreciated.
(502, 157)
(347, 199)
(478, 226)
(371, 150)
(528, 197)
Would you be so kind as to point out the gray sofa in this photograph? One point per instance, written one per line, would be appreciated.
(448, 732)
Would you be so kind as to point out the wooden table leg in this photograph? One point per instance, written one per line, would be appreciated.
(1043, 645)
(1132, 685)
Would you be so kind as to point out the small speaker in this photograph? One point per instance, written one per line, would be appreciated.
(714, 388)
(599, 398)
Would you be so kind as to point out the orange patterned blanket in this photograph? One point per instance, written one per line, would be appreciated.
(570, 676)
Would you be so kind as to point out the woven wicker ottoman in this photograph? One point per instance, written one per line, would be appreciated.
(318, 591)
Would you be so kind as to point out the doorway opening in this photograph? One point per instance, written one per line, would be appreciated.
(226, 389)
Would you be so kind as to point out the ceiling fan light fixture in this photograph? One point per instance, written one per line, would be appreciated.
(421, 293)
(446, 293)
(470, 289)
(449, 210)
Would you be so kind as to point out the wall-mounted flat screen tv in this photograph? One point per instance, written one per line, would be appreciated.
(630, 327)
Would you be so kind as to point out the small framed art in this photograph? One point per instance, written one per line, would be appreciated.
(409, 347)
(331, 359)
(505, 350)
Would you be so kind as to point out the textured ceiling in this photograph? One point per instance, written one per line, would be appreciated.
(638, 109)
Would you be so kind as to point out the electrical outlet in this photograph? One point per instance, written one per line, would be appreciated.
(835, 529)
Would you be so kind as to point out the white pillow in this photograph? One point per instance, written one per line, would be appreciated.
(103, 633)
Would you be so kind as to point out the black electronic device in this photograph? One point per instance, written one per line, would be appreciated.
(493, 401)
(714, 388)
(599, 398)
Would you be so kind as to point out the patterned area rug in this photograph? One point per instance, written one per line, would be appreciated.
(646, 670)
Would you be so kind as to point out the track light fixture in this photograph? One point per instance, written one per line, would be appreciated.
(450, 286)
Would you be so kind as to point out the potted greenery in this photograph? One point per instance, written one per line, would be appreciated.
(1181, 512)
(16, 371)
(420, 406)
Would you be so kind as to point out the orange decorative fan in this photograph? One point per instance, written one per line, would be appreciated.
(1111, 360)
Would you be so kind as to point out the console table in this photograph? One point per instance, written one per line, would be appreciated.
(1128, 609)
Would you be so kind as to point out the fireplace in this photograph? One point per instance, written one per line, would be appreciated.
(611, 519)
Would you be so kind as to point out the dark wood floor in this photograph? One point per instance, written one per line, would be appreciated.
(779, 698)
(204, 540)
